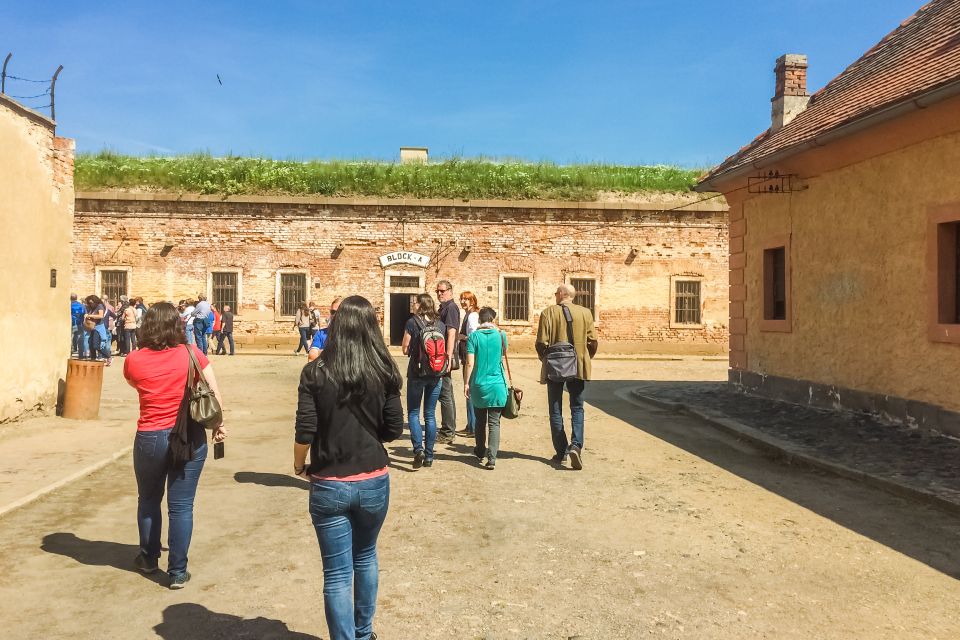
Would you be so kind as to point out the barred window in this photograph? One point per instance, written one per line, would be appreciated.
(113, 284)
(224, 289)
(293, 291)
(405, 282)
(516, 299)
(687, 302)
(586, 293)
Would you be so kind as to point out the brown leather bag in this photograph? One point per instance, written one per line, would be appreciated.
(204, 406)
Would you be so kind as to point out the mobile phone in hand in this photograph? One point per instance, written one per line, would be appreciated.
(217, 450)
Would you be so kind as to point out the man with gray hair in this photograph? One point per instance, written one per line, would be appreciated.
(566, 342)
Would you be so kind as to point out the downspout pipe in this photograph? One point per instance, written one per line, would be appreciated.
(885, 114)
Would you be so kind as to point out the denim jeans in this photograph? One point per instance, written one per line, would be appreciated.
(471, 417)
(78, 342)
(488, 420)
(555, 403)
(151, 466)
(191, 334)
(347, 517)
(305, 338)
(200, 333)
(425, 392)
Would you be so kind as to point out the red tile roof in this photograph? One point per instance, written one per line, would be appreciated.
(920, 55)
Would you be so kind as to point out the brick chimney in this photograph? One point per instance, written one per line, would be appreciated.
(790, 97)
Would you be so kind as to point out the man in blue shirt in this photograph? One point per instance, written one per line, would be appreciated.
(77, 311)
(202, 318)
(320, 337)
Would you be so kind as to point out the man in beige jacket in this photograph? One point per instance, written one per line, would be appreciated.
(552, 329)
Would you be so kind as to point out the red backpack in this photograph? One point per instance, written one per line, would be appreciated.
(433, 349)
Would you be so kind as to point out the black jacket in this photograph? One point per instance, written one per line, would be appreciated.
(344, 440)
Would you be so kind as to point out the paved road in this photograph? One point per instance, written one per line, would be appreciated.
(671, 530)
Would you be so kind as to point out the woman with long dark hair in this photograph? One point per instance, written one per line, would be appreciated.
(423, 386)
(348, 406)
(98, 341)
(158, 371)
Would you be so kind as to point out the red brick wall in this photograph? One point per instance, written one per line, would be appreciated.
(260, 236)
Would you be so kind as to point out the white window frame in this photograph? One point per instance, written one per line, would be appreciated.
(674, 279)
(236, 270)
(277, 291)
(596, 291)
(501, 311)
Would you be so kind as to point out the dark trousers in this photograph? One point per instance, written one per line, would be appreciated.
(448, 409)
(93, 349)
(224, 335)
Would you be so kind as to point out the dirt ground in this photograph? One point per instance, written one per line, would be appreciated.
(671, 530)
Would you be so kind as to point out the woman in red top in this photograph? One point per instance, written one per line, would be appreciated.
(158, 371)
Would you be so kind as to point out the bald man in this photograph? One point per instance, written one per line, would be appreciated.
(551, 330)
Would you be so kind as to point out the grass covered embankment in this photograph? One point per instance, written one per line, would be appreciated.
(452, 178)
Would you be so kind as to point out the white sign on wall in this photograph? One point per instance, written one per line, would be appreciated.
(404, 257)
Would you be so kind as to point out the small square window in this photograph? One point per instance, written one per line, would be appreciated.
(224, 289)
(687, 302)
(516, 299)
(293, 292)
(113, 284)
(586, 293)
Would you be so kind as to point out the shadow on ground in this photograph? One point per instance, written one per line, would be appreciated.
(270, 479)
(97, 553)
(188, 621)
(923, 532)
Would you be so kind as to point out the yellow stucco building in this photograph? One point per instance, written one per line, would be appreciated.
(844, 241)
(36, 219)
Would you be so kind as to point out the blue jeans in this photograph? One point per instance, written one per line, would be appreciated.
(78, 342)
(426, 392)
(200, 333)
(306, 335)
(191, 334)
(555, 403)
(347, 517)
(471, 417)
(151, 466)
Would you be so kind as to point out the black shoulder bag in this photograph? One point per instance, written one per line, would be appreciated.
(560, 358)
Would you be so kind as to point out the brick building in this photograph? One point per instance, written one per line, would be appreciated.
(656, 280)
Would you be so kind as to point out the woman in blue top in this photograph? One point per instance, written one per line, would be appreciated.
(487, 384)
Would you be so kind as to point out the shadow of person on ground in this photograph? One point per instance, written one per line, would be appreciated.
(97, 553)
(923, 532)
(464, 455)
(270, 479)
(188, 621)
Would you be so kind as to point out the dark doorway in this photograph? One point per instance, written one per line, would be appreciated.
(400, 305)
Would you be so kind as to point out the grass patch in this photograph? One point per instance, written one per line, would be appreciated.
(452, 178)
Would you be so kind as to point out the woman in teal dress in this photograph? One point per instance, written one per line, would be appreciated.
(486, 386)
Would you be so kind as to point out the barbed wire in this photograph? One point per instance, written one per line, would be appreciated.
(39, 95)
(26, 79)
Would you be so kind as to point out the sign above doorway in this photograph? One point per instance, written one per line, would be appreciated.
(404, 257)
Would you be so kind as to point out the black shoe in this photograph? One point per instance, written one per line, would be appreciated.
(144, 564)
(478, 454)
(418, 459)
(575, 460)
(180, 581)
(559, 460)
(465, 433)
(428, 463)
(490, 466)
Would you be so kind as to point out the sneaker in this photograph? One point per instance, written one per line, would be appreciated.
(418, 459)
(490, 466)
(180, 581)
(144, 564)
(478, 454)
(428, 463)
(465, 433)
(559, 460)
(575, 460)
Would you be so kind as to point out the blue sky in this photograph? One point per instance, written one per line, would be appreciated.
(677, 82)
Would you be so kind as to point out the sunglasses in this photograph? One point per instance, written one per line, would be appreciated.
(442, 290)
